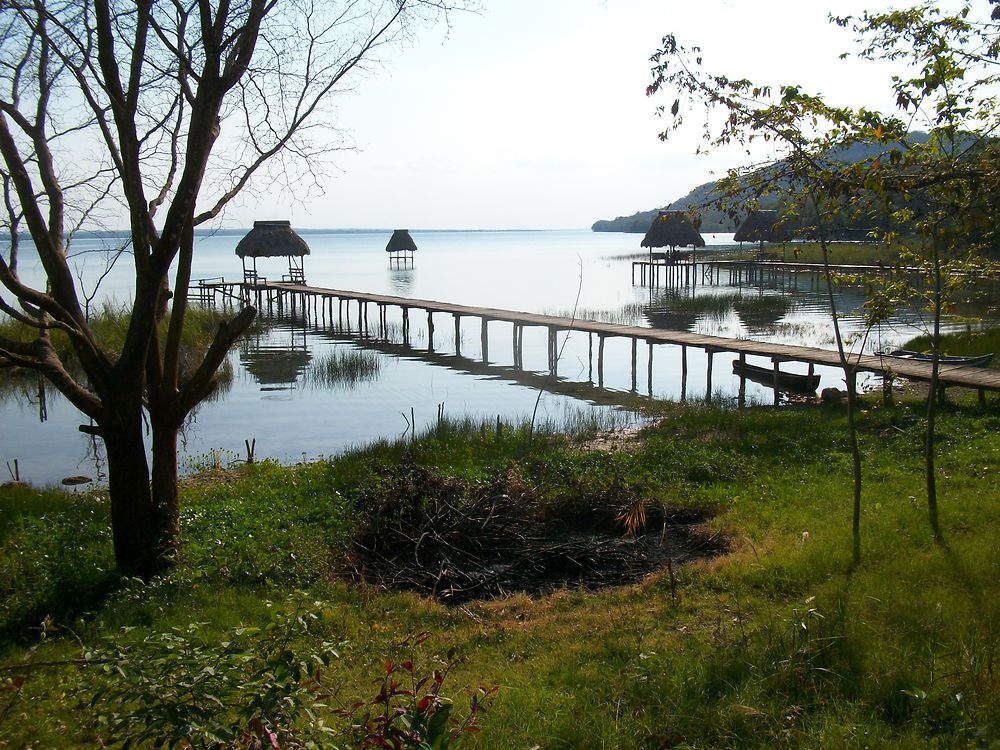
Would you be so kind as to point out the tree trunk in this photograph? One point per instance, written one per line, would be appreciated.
(164, 491)
(929, 471)
(133, 521)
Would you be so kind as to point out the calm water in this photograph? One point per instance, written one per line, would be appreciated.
(283, 397)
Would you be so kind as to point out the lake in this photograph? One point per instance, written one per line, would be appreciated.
(302, 390)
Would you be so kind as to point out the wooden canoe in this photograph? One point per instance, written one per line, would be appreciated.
(982, 360)
(788, 382)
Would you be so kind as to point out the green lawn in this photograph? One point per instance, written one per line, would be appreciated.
(781, 642)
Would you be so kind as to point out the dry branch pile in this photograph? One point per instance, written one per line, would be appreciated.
(433, 536)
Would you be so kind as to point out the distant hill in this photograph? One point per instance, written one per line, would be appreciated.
(701, 199)
(711, 219)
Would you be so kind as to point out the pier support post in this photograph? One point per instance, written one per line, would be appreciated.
(553, 349)
(708, 375)
(684, 371)
(458, 334)
(649, 369)
(600, 360)
(430, 331)
(484, 334)
(406, 326)
(635, 344)
(775, 362)
(742, 399)
(590, 357)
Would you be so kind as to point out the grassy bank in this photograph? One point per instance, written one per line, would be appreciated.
(110, 325)
(780, 642)
(841, 253)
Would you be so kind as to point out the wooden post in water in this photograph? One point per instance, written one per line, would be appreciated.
(486, 342)
(649, 369)
(555, 351)
(775, 361)
(590, 357)
(742, 400)
(458, 334)
(600, 360)
(430, 331)
(708, 376)
(684, 371)
(635, 344)
(406, 325)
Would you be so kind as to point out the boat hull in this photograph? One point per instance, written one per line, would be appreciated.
(787, 382)
(982, 360)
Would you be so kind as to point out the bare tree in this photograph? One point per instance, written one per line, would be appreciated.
(162, 111)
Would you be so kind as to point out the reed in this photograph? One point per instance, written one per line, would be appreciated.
(343, 368)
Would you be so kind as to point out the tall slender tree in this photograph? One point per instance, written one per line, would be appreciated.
(937, 190)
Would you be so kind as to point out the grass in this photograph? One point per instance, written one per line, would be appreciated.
(110, 324)
(781, 643)
(841, 253)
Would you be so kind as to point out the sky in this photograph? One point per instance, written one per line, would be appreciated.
(532, 114)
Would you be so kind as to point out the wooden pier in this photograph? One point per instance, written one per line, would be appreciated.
(280, 297)
(739, 272)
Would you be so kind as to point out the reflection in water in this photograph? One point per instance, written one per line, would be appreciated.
(402, 281)
(679, 310)
(274, 364)
(761, 312)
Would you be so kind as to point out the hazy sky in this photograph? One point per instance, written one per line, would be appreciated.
(533, 113)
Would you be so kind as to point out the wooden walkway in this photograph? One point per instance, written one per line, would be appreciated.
(288, 294)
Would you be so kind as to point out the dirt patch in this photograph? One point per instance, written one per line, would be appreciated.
(501, 544)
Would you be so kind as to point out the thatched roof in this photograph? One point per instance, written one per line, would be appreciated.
(271, 239)
(401, 241)
(762, 226)
(672, 229)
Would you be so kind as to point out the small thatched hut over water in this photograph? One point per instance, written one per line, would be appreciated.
(672, 229)
(760, 227)
(401, 248)
(273, 239)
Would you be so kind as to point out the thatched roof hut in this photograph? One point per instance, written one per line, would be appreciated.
(672, 229)
(273, 239)
(401, 246)
(762, 226)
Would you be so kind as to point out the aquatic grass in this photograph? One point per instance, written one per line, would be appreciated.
(343, 368)
(842, 253)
